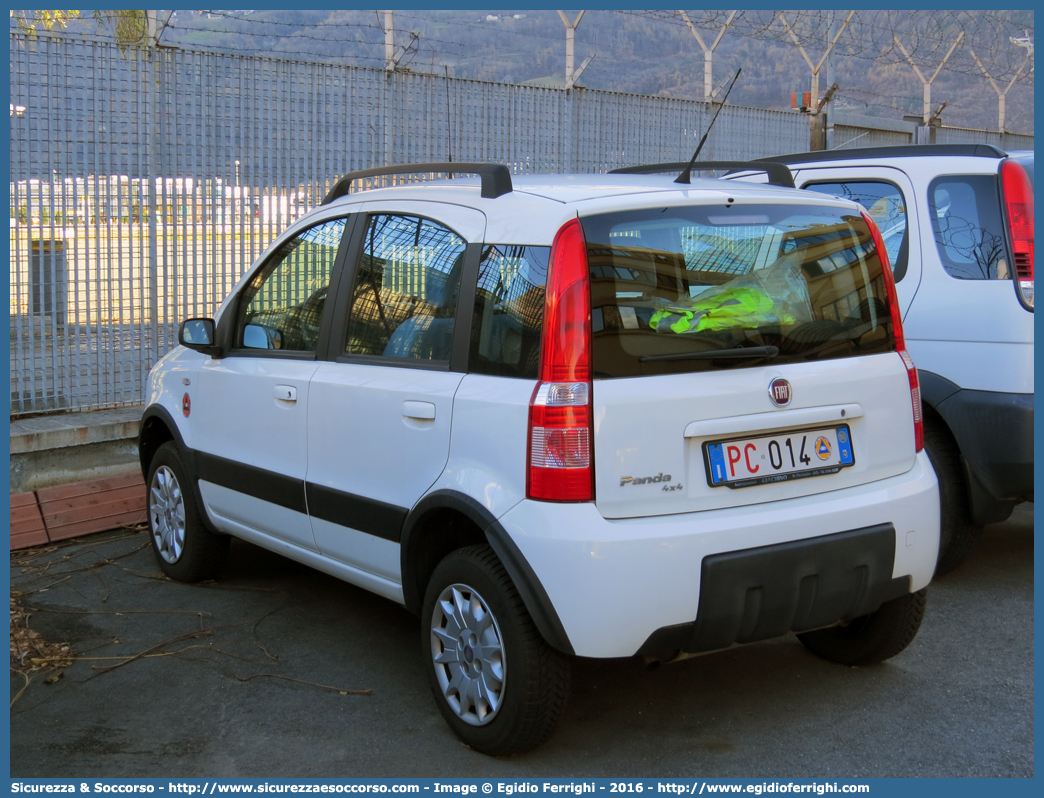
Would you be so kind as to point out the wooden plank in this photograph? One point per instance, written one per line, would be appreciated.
(25, 540)
(132, 494)
(28, 514)
(27, 526)
(56, 516)
(95, 505)
(90, 486)
(91, 525)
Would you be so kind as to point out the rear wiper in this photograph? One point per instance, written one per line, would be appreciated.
(714, 354)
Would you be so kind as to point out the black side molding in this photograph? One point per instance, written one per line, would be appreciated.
(268, 486)
(778, 173)
(496, 178)
(371, 516)
(537, 602)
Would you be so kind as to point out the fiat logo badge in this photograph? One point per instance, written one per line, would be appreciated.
(780, 392)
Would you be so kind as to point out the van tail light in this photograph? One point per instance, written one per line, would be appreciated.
(915, 399)
(561, 440)
(1018, 202)
(897, 332)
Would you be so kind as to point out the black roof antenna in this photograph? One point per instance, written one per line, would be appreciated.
(684, 177)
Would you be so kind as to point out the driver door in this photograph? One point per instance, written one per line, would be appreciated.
(251, 405)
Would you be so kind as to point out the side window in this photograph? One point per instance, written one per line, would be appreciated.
(509, 311)
(282, 305)
(968, 229)
(887, 207)
(405, 294)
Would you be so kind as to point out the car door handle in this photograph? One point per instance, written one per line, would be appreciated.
(421, 410)
(285, 393)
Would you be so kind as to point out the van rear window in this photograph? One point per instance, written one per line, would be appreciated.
(700, 288)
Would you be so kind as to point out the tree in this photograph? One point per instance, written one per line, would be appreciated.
(48, 19)
(127, 26)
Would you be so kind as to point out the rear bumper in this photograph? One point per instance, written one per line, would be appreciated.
(994, 432)
(614, 583)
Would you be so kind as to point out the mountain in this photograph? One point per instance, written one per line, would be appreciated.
(654, 52)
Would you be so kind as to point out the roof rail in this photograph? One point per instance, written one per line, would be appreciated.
(896, 151)
(496, 178)
(778, 173)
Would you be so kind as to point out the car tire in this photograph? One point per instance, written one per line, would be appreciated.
(498, 684)
(958, 536)
(185, 549)
(871, 638)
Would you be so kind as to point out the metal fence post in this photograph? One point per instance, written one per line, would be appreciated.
(153, 206)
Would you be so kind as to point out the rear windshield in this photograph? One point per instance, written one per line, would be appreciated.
(678, 290)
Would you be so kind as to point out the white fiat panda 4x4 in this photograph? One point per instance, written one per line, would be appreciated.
(596, 415)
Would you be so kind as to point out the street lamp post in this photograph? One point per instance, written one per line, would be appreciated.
(237, 196)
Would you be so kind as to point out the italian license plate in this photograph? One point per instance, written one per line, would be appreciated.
(781, 457)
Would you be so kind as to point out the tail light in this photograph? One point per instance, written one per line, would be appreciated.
(1018, 201)
(897, 331)
(561, 456)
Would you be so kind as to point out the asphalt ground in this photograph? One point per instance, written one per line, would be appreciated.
(236, 675)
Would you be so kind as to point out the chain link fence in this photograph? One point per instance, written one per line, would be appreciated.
(145, 182)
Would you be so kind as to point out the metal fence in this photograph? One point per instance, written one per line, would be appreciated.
(143, 183)
(851, 130)
(962, 135)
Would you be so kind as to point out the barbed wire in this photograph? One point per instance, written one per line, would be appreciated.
(926, 35)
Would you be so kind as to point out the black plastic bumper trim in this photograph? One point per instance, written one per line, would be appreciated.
(765, 592)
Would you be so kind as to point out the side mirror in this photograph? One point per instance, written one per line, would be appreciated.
(199, 334)
(256, 336)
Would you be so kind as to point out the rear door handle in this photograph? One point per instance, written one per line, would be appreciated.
(285, 393)
(421, 410)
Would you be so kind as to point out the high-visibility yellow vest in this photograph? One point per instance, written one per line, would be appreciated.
(740, 306)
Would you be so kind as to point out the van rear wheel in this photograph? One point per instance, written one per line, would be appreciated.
(872, 638)
(958, 536)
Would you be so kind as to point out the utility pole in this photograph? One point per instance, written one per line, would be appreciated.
(1001, 95)
(570, 76)
(928, 83)
(829, 105)
(820, 135)
(708, 53)
(389, 40)
(815, 67)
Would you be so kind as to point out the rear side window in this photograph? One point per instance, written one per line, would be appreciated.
(887, 207)
(969, 232)
(509, 311)
(405, 294)
(678, 290)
